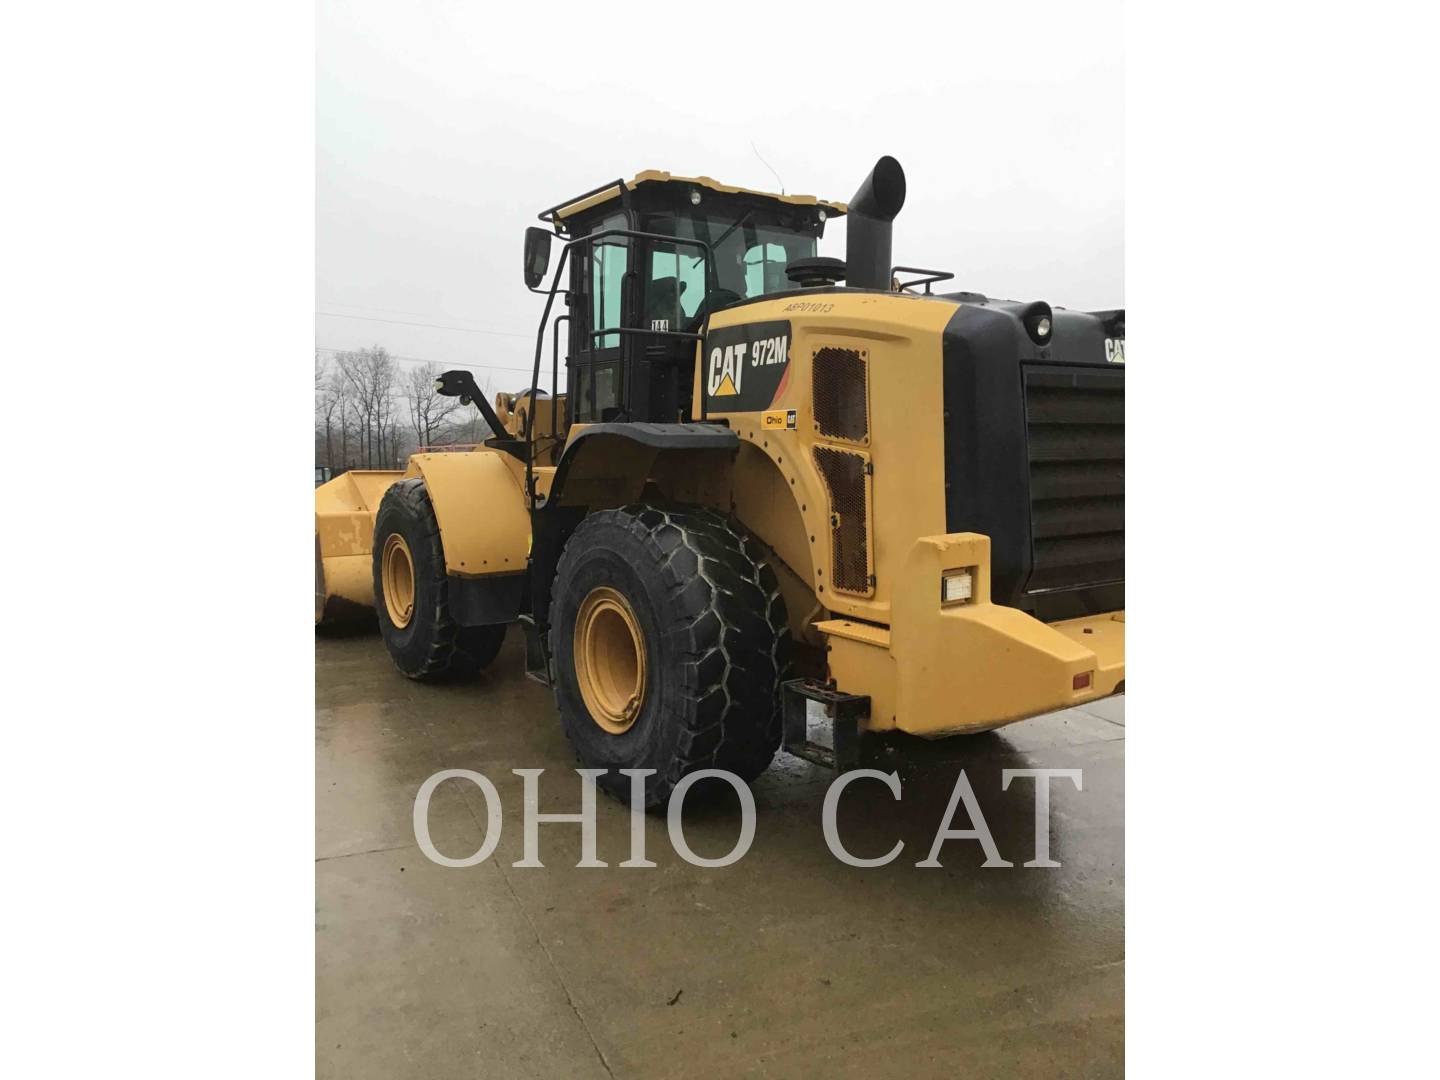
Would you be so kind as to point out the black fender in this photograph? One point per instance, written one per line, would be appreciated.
(597, 451)
(595, 438)
(493, 600)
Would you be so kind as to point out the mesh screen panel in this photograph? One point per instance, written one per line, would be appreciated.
(840, 400)
(844, 474)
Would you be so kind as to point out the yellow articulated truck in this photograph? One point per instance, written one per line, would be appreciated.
(776, 487)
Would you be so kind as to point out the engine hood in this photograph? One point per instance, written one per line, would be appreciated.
(1076, 337)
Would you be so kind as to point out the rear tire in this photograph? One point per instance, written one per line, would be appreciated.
(710, 638)
(412, 593)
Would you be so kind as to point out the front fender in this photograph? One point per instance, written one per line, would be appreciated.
(480, 506)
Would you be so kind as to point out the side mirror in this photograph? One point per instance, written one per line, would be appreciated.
(537, 255)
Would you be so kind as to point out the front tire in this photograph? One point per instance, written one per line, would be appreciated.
(670, 642)
(412, 593)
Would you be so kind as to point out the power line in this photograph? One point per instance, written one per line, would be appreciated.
(393, 356)
(396, 311)
(422, 360)
(432, 326)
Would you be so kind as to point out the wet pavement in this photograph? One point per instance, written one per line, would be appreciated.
(787, 963)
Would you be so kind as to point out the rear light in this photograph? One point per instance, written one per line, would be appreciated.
(957, 586)
(1081, 681)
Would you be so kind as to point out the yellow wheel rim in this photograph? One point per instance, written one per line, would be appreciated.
(397, 580)
(610, 663)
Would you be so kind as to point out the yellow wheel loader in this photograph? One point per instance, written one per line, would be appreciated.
(780, 493)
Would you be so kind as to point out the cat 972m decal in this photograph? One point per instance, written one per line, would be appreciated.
(745, 366)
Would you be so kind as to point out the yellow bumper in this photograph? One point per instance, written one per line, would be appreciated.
(948, 669)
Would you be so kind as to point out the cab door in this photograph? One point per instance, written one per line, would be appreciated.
(672, 285)
(605, 290)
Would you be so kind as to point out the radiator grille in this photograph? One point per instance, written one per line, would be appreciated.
(1075, 427)
(847, 480)
(842, 408)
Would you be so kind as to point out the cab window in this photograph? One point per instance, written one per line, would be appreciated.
(765, 269)
(675, 289)
(609, 259)
(596, 376)
(752, 249)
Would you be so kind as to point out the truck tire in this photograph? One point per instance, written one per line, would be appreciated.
(412, 598)
(670, 642)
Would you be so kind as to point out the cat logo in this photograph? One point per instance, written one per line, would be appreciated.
(727, 366)
(727, 369)
(745, 366)
(1115, 350)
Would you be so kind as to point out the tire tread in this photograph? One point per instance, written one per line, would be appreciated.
(730, 625)
(452, 651)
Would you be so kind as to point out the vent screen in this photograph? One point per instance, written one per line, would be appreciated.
(842, 408)
(847, 479)
(1075, 428)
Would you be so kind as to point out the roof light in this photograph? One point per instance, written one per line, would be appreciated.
(820, 213)
(694, 196)
(1039, 321)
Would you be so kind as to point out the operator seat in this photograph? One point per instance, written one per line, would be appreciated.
(663, 303)
(718, 298)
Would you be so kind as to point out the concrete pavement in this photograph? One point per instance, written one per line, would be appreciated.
(786, 964)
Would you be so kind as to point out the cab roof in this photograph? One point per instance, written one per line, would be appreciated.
(609, 192)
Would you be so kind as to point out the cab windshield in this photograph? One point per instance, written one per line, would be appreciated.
(752, 248)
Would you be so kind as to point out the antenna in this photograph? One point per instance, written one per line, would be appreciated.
(768, 166)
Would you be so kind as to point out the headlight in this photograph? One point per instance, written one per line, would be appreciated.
(957, 586)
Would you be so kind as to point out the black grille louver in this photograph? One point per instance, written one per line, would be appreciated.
(1075, 433)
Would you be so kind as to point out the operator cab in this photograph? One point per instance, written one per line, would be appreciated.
(637, 303)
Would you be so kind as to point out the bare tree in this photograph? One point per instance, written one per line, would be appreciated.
(371, 377)
(371, 414)
(383, 379)
(349, 419)
(331, 393)
(431, 413)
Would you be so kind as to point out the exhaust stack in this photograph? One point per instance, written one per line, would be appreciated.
(868, 230)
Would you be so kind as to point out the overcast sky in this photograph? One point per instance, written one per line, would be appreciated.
(442, 129)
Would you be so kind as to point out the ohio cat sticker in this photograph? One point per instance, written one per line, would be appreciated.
(745, 366)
